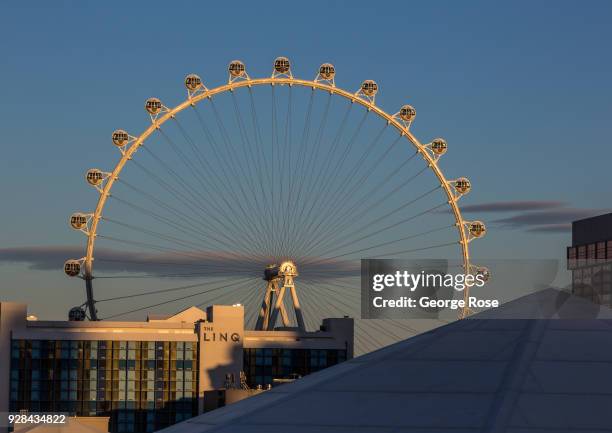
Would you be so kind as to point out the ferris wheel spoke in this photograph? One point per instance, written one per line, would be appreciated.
(349, 194)
(213, 179)
(201, 268)
(413, 250)
(209, 273)
(262, 161)
(263, 210)
(395, 241)
(301, 176)
(157, 292)
(233, 182)
(313, 157)
(251, 304)
(296, 177)
(296, 171)
(160, 248)
(205, 238)
(203, 214)
(170, 239)
(302, 203)
(385, 330)
(339, 221)
(247, 287)
(244, 167)
(261, 156)
(340, 195)
(262, 207)
(148, 307)
(224, 166)
(322, 310)
(340, 233)
(285, 174)
(275, 160)
(338, 298)
(380, 230)
(323, 298)
(320, 197)
(210, 201)
(330, 177)
(335, 217)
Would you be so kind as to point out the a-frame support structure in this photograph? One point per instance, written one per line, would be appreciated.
(280, 279)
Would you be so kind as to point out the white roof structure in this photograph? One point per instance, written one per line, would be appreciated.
(483, 375)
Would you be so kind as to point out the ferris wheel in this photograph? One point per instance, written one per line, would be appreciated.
(279, 175)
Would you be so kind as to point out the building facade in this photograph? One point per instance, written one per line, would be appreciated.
(590, 259)
(147, 375)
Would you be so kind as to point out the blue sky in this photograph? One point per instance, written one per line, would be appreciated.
(521, 91)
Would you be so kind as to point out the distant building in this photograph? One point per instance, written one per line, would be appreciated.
(590, 259)
(148, 375)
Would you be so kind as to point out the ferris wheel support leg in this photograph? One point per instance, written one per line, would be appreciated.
(91, 304)
(278, 307)
(299, 317)
(264, 312)
(284, 315)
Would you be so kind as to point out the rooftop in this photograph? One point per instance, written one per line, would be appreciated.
(489, 373)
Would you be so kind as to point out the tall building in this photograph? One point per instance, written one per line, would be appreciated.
(148, 375)
(590, 258)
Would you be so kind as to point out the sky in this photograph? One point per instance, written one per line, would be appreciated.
(520, 90)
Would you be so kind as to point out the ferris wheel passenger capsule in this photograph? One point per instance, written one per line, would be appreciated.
(282, 65)
(327, 71)
(153, 106)
(78, 221)
(477, 229)
(369, 88)
(120, 138)
(407, 113)
(193, 82)
(94, 177)
(484, 273)
(462, 185)
(439, 146)
(72, 268)
(236, 69)
(76, 314)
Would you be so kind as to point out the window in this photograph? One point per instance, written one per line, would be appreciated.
(103, 378)
(601, 250)
(571, 257)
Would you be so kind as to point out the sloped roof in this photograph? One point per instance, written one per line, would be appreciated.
(482, 375)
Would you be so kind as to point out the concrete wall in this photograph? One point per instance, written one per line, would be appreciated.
(221, 338)
(12, 317)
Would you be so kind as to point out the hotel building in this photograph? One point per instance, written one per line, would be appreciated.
(148, 375)
(590, 259)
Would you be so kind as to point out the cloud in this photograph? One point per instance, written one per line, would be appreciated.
(551, 228)
(184, 264)
(548, 217)
(535, 216)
